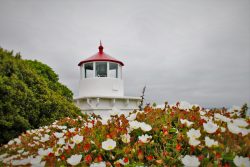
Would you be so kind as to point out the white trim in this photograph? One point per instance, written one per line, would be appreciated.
(97, 101)
(94, 70)
(113, 102)
(89, 102)
(120, 71)
(81, 72)
(107, 69)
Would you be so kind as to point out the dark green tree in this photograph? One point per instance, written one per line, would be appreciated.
(30, 96)
(243, 111)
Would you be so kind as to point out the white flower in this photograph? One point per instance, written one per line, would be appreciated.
(88, 124)
(185, 121)
(210, 142)
(185, 105)
(41, 164)
(210, 127)
(25, 153)
(244, 131)
(74, 159)
(109, 144)
(202, 113)
(192, 133)
(134, 125)
(18, 162)
(43, 152)
(233, 128)
(36, 138)
(190, 160)
(20, 151)
(44, 138)
(144, 138)
(205, 118)
(131, 117)
(58, 135)
(240, 122)
(125, 138)
(72, 130)
(77, 139)
(241, 161)
(145, 127)
(31, 145)
(36, 160)
(17, 140)
(223, 118)
(3, 156)
(10, 158)
(54, 123)
(68, 145)
(11, 142)
(100, 164)
(62, 127)
(61, 141)
(194, 142)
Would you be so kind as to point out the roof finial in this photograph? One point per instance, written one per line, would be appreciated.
(100, 48)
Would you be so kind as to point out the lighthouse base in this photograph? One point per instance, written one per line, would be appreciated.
(106, 106)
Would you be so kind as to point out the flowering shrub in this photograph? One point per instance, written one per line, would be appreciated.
(177, 135)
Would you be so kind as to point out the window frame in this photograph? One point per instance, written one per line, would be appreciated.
(85, 70)
(116, 70)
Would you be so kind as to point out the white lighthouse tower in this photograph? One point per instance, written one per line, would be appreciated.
(101, 88)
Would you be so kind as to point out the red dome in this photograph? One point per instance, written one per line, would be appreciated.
(101, 56)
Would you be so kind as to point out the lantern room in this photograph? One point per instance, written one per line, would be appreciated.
(101, 75)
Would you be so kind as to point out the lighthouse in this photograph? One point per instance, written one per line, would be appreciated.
(101, 86)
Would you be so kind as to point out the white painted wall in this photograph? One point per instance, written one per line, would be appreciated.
(101, 86)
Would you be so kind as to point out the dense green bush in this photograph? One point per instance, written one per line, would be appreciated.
(30, 96)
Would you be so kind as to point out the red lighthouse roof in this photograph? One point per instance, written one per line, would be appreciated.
(100, 56)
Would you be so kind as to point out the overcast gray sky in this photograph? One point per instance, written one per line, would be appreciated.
(194, 50)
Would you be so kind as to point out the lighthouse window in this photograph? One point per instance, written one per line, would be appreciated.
(113, 70)
(88, 70)
(101, 69)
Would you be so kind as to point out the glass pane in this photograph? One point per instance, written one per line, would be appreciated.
(88, 70)
(101, 69)
(113, 70)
